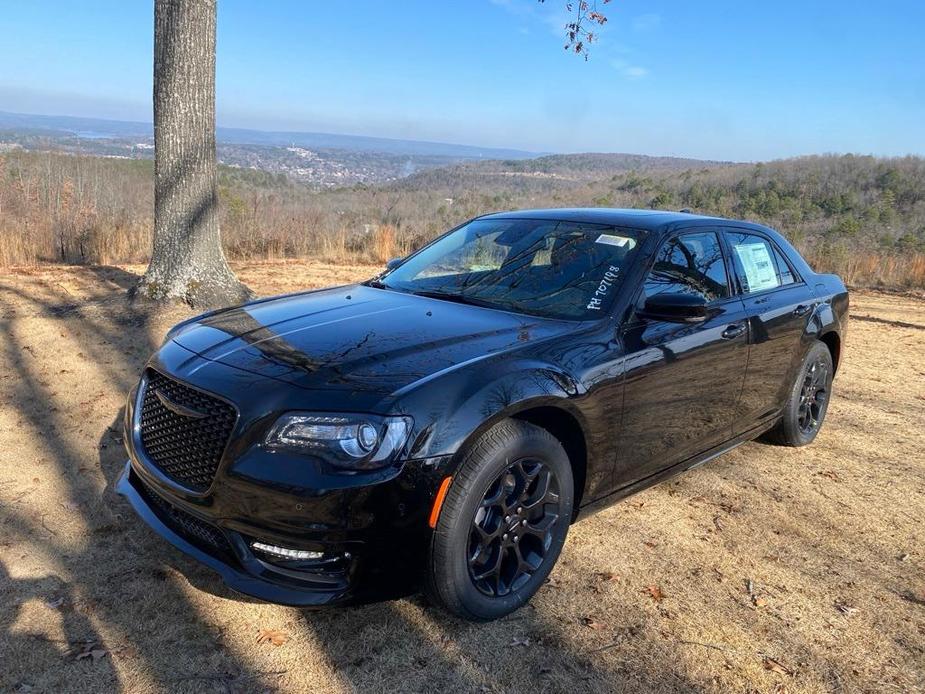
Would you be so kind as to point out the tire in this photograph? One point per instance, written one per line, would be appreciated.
(806, 406)
(483, 503)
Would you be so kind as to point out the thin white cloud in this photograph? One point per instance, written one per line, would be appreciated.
(515, 7)
(646, 22)
(552, 15)
(628, 70)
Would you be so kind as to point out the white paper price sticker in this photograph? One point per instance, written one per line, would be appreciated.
(619, 241)
(758, 266)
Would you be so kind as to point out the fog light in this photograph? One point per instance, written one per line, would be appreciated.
(285, 552)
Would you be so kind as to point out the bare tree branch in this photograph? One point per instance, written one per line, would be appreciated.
(580, 29)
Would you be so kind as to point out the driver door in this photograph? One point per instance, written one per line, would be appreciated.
(682, 379)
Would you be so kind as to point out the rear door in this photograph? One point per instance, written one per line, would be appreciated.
(778, 304)
(682, 380)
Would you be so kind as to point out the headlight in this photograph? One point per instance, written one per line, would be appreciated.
(350, 441)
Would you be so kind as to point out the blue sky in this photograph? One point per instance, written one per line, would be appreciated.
(713, 79)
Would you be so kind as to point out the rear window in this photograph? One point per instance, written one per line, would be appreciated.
(759, 264)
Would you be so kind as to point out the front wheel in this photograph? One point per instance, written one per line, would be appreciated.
(808, 400)
(503, 523)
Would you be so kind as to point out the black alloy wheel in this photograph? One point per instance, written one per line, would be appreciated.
(512, 530)
(503, 522)
(808, 400)
(813, 396)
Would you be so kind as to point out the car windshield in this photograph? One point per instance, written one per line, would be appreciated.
(546, 268)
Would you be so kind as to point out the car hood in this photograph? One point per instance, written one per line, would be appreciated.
(359, 338)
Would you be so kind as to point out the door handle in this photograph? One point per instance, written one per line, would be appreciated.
(802, 309)
(734, 331)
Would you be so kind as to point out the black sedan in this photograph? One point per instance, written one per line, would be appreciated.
(441, 425)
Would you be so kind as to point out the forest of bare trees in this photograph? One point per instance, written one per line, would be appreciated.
(860, 216)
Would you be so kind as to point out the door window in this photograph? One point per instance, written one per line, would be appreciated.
(783, 268)
(759, 266)
(689, 264)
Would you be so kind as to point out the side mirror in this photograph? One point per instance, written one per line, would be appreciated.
(393, 263)
(678, 308)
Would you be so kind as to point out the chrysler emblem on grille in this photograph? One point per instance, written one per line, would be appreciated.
(177, 408)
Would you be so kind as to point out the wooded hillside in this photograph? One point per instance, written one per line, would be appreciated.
(863, 217)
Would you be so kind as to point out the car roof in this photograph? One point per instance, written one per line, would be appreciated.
(650, 220)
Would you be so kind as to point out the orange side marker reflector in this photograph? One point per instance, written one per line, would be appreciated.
(438, 501)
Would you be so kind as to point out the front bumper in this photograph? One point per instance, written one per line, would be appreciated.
(371, 530)
(239, 568)
(383, 560)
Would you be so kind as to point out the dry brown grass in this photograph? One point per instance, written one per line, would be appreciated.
(91, 210)
(829, 538)
(869, 269)
(100, 243)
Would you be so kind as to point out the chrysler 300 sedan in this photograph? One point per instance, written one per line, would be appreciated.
(440, 426)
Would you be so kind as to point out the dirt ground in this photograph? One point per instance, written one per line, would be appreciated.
(769, 569)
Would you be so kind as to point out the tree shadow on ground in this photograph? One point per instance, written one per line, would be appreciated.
(129, 591)
(69, 535)
(108, 562)
(23, 651)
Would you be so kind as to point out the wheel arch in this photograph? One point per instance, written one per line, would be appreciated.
(826, 325)
(568, 431)
(557, 417)
(832, 340)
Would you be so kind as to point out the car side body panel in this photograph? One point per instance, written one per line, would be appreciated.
(682, 382)
(622, 378)
(777, 335)
(589, 391)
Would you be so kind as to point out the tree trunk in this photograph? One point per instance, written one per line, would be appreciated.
(187, 263)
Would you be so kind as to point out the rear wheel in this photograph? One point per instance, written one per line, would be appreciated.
(809, 398)
(503, 523)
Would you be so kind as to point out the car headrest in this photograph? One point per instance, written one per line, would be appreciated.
(565, 249)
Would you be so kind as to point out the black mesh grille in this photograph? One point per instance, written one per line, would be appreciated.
(196, 531)
(187, 445)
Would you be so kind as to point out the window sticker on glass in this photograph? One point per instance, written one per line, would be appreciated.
(620, 241)
(597, 301)
(758, 266)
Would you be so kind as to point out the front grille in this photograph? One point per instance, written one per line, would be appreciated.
(198, 532)
(186, 442)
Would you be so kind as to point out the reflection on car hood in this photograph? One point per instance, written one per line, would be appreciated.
(359, 338)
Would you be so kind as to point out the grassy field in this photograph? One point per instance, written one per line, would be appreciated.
(768, 570)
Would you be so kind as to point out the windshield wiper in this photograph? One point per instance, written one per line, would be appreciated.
(459, 299)
(376, 283)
